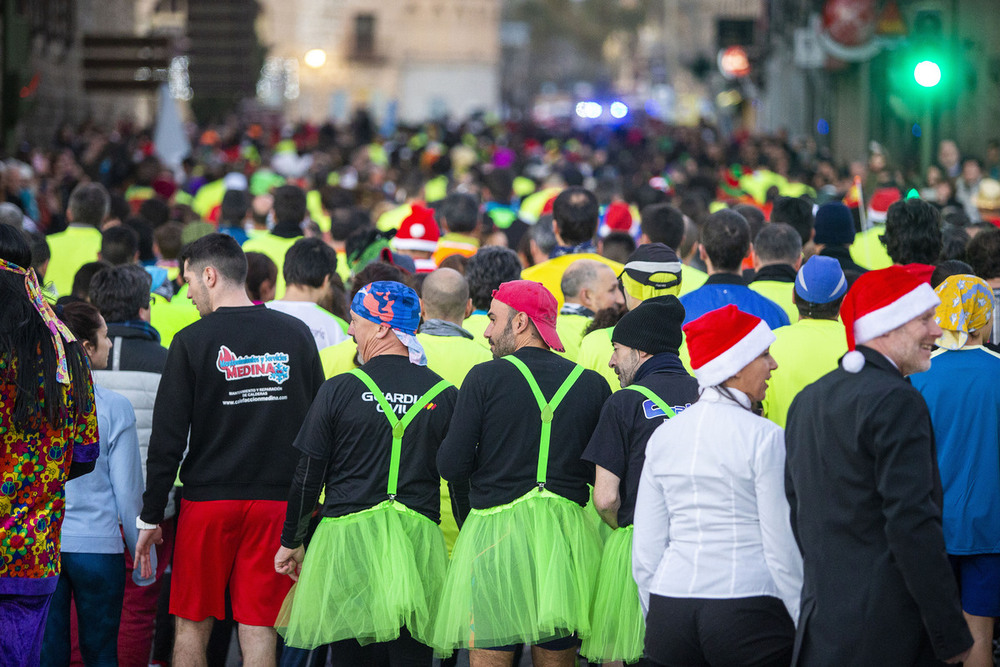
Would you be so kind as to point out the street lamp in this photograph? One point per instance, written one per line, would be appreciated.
(315, 58)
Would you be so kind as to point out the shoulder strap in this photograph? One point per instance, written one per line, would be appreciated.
(398, 425)
(546, 410)
(657, 401)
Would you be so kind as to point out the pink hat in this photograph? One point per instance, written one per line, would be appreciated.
(723, 342)
(883, 300)
(537, 303)
(882, 199)
(418, 231)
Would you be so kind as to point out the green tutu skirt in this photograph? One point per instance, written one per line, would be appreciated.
(617, 629)
(520, 573)
(366, 575)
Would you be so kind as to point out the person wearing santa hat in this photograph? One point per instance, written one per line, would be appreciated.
(865, 492)
(713, 554)
(418, 238)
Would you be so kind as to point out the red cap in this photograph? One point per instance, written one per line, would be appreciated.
(723, 342)
(882, 199)
(532, 299)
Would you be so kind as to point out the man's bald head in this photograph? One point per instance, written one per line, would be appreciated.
(591, 284)
(445, 295)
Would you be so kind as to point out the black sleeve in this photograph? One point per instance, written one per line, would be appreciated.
(171, 422)
(460, 505)
(905, 471)
(302, 498)
(457, 454)
(607, 447)
(316, 437)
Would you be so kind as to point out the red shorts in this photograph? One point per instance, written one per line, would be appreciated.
(230, 543)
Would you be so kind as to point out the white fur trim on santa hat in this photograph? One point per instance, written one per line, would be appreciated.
(413, 244)
(736, 358)
(877, 216)
(912, 304)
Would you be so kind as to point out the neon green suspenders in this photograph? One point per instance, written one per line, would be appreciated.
(657, 401)
(547, 410)
(398, 425)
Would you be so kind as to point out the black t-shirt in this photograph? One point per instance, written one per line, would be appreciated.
(494, 436)
(347, 431)
(627, 420)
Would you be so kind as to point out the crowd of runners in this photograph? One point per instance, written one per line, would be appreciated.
(642, 395)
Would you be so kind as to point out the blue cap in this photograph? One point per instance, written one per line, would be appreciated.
(820, 280)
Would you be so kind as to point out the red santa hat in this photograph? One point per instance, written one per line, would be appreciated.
(883, 300)
(723, 342)
(418, 231)
(882, 199)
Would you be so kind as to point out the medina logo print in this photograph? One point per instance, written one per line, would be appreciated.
(273, 366)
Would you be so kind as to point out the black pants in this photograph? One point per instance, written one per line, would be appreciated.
(696, 632)
(404, 651)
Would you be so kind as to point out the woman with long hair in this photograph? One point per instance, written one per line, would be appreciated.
(48, 426)
(93, 562)
(718, 570)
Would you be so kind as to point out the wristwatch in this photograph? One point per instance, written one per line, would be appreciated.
(142, 525)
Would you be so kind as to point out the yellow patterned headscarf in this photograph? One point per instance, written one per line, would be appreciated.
(966, 306)
(56, 328)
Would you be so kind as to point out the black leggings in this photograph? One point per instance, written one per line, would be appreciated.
(697, 632)
(404, 651)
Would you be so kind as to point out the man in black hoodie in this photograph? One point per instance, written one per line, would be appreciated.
(239, 381)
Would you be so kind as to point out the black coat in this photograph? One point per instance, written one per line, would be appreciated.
(865, 493)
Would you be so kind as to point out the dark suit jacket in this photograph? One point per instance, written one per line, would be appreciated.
(865, 493)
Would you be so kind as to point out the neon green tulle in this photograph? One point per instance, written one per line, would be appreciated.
(520, 573)
(365, 576)
(617, 629)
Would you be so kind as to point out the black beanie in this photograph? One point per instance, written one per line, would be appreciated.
(654, 326)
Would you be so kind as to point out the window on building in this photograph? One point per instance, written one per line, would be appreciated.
(364, 35)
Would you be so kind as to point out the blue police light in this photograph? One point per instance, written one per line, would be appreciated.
(619, 110)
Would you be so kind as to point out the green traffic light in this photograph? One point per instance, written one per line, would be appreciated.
(927, 73)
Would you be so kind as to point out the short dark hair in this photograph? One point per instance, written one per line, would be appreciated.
(947, 268)
(260, 267)
(154, 211)
(778, 243)
(144, 231)
(796, 212)
(576, 212)
(617, 246)
(234, 207)
(40, 252)
(663, 223)
(333, 197)
(726, 237)
(83, 276)
(954, 241)
(983, 254)
(486, 270)
(913, 232)
(289, 205)
(309, 262)
(461, 212)
(220, 251)
(817, 311)
(89, 204)
(169, 239)
(754, 217)
(120, 292)
(346, 221)
(119, 245)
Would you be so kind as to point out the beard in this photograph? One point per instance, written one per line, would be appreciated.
(503, 343)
